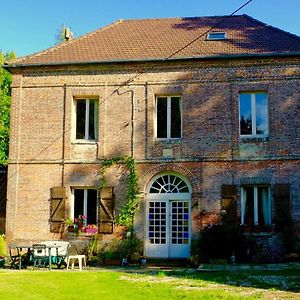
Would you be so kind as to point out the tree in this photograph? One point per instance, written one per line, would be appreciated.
(5, 95)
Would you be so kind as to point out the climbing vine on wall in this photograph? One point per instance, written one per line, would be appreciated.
(126, 215)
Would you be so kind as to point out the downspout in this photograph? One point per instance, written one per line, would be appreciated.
(232, 131)
(133, 105)
(146, 120)
(63, 138)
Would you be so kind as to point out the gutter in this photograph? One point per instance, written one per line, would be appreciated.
(8, 66)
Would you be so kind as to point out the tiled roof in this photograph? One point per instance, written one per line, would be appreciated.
(156, 39)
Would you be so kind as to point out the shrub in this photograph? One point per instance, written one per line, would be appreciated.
(220, 241)
(122, 248)
(268, 250)
(2, 246)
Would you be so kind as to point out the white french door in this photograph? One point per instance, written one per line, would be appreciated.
(168, 228)
(168, 217)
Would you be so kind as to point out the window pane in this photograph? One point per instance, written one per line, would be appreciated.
(80, 119)
(245, 114)
(261, 105)
(78, 202)
(175, 117)
(92, 120)
(161, 124)
(92, 207)
(263, 206)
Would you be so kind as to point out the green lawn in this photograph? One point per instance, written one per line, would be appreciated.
(132, 283)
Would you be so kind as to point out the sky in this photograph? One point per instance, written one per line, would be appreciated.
(29, 26)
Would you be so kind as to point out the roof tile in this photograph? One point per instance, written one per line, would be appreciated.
(158, 39)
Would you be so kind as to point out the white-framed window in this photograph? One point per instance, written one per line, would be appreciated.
(216, 35)
(85, 203)
(255, 205)
(86, 119)
(168, 117)
(254, 119)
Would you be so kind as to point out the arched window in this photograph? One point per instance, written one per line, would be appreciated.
(169, 184)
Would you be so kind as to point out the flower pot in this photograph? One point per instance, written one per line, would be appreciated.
(112, 262)
(71, 228)
(91, 230)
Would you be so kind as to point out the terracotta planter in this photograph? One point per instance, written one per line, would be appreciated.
(71, 228)
(112, 262)
(91, 230)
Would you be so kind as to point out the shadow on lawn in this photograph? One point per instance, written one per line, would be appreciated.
(281, 280)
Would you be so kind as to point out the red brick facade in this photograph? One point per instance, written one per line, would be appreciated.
(44, 153)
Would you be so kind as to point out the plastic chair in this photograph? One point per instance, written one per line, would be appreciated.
(73, 256)
(80, 257)
(58, 255)
(15, 257)
(39, 255)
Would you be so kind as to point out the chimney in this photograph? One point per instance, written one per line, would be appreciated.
(68, 34)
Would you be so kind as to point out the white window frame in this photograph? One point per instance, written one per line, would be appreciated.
(168, 117)
(253, 115)
(255, 193)
(85, 199)
(87, 119)
(215, 36)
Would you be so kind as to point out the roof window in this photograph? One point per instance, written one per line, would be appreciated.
(213, 36)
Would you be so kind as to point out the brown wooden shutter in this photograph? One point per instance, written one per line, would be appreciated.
(57, 208)
(229, 196)
(282, 204)
(106, 210)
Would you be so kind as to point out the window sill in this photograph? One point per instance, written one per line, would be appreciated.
(169, 141)
(254, 139)
(257, 230)
(84, 142)
(80, 235)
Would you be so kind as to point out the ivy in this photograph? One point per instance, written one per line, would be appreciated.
(126, 215)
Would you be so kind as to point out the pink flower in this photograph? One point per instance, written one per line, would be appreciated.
(75, 220)
(83, 217)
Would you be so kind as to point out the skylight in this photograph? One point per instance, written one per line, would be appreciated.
(213, 36)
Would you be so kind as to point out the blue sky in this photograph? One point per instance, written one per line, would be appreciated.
(29, 26)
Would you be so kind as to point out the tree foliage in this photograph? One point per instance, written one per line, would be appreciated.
(5, 95)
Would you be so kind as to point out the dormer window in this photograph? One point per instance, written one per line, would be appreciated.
(215, 36)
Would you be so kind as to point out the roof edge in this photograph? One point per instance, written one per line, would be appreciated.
(272, 27)
(227, 56)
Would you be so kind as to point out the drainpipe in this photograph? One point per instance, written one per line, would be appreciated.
(133, 107)
(63, 138)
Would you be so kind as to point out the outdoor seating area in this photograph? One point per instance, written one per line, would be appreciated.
(45, 254)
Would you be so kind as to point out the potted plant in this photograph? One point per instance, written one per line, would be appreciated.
(69, 223)
(78, 223)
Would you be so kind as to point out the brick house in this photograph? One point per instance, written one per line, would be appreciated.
(212, 126)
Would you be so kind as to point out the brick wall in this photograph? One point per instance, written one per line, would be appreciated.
(43, 152)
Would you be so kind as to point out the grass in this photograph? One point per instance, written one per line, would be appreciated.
(135, 283)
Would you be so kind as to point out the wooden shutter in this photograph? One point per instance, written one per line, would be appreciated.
(282, 204)
(106, 210)
(229, 201)
(57, 208)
